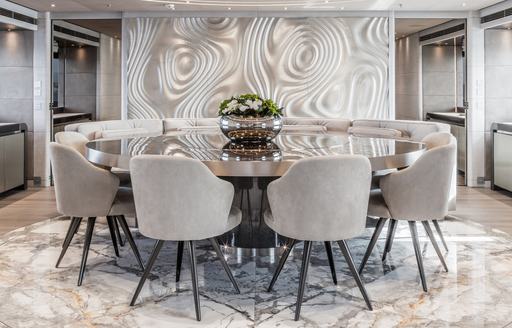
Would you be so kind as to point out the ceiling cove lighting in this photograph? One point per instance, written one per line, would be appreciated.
(255, 3)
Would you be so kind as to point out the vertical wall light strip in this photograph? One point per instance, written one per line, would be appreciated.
(391, 66)
(124, 72)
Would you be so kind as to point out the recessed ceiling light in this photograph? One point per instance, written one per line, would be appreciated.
(169, 6)
(229, 8)
(188, 1)
(326, 1)
(342, 8)
(463, 4)
(285, 8)
(52, 5)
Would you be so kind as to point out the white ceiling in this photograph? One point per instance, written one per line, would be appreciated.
(222, 5)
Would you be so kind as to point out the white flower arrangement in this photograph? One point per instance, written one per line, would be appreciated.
(249, 105)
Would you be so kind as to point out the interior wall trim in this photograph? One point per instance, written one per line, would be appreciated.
(261, 13)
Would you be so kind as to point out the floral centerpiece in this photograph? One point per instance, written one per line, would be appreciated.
(250, 118)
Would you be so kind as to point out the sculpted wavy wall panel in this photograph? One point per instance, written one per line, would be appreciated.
(316, 67)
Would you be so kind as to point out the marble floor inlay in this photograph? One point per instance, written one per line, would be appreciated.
(476, 292)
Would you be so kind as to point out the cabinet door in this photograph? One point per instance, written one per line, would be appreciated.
(2, 165)
(14, 160)
(503, 161)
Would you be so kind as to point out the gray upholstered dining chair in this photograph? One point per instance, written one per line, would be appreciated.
(179, 199)
(320, 199)
(75, 140)
(78, 142)
(83, 190)
(419, 193)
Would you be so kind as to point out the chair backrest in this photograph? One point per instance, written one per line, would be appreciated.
(81, 189)
(322, 198)
(422, 191)
(438, 139)
(74, 140)
(179, 198)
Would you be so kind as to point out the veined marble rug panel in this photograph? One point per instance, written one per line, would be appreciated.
(476, 292)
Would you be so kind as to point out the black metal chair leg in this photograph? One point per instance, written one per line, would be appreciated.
(131, 241)
(303, 275)
(281, 263)
(355, 274)
(118, 233)
(389, 240)
(430, 234)
(71, 229)
(75, 222)
(77, 226)
(216, 247)
(147, 271)
(110, 222)
(195, 284)
(179, 259)
(440, 233)
(328, 249)
(87, 244)
(373, 241)
(417, 251)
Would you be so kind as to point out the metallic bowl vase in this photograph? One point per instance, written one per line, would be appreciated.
(250, 129)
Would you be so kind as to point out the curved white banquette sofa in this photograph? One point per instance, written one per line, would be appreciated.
(408, 130)
(412, 130)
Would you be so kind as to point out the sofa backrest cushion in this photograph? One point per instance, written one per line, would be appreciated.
(95, 130)
(416, 130)
(331, 124)
(363, 131)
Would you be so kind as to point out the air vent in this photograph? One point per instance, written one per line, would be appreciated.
(495, 16)
(63, 30)
(75, 34)
(447, 31)
(17, 16)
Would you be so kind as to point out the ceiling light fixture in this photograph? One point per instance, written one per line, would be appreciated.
(285, 8)
(52, 5)
(463, 4)
(169, 6)
(229, 8)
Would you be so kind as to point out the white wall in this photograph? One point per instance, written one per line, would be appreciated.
(108, 93)
(408, 70)
(498, 84)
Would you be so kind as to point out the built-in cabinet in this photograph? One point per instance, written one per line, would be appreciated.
(459, 132)
(12, 161)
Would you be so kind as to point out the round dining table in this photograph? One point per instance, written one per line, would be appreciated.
(252, 166)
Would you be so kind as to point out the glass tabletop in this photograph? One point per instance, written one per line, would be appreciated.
(213, 147)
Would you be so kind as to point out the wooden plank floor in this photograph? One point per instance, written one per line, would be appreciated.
(22, 208)
(493, 209)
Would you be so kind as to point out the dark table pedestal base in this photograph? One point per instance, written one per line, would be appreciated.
(250, 197)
